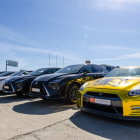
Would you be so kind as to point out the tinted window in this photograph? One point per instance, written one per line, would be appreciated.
(104, 69)
(6, 73)
(124, 72)
(54, 70)
(87, 69)
(17, 73)
(49, 71)
(71, 69)
(97, 68)
(109, 68)
(26, 73)
(38, 72)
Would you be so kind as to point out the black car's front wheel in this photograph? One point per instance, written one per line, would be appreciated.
(72, 93)
(19, 94)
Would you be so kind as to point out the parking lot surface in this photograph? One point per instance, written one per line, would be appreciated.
(23, 118)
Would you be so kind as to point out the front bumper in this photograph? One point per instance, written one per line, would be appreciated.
(10, 90)
(45, 91)
(122, 106)
(116, 116)
(2, 82)
(12, 87)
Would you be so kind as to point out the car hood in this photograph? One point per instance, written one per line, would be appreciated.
(49, 77)
(116, 83)
(17, 78)
(5, 77)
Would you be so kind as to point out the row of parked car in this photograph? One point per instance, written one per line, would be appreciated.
(99, 89)
(52, 83)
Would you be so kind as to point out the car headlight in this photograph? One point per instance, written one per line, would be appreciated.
(135, 91)
(83, 87)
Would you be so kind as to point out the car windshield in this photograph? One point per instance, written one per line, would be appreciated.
(17, 73)
(6, 74)
(124, 72)
(38, 72)
(70, 69)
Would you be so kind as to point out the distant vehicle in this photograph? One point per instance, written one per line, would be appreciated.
(21, 85)
(65, 83)
(117, 95)
(2, 72)
(109, 67)
(7, 73)
(15, 74)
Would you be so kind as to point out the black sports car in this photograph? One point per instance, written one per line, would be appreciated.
(16, 74)
(21, 85)
(65, 83)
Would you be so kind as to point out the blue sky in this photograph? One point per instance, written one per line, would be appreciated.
(103, 31)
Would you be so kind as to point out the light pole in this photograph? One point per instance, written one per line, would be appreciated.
(6, 66)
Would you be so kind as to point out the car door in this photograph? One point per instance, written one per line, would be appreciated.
(86, 73)
(98, 72)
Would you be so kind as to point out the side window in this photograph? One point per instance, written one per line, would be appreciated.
(109, 68)
(54, 70)
(25, 73)
(49, 71)
(97, 68)
(87, 69)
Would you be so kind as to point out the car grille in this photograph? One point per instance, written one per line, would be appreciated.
(41, 87)
(10, 87)
(103, 108)
(103, 95)
(114, 108)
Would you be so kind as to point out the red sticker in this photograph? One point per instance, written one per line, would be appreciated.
(92, 100)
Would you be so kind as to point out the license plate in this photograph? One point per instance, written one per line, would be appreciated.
(100, 101)
(6, 87)
(35, 89)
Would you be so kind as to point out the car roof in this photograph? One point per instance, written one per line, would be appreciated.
(50, 68)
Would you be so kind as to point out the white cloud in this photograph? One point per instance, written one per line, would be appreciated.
(19, 43)
(10, 35)
(133, 55)
(31, 50)
(114, 4)
(122, 57)
(130, 31)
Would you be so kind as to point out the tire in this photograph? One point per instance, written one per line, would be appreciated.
(72, 93)
(26, 94)
(19, 94)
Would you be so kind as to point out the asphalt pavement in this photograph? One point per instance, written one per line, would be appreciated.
(23, 118)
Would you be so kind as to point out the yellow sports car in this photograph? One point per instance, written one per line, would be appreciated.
(116, 95)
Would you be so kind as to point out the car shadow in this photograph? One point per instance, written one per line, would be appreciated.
(106, 127)
(42, 107)
(13, 98)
